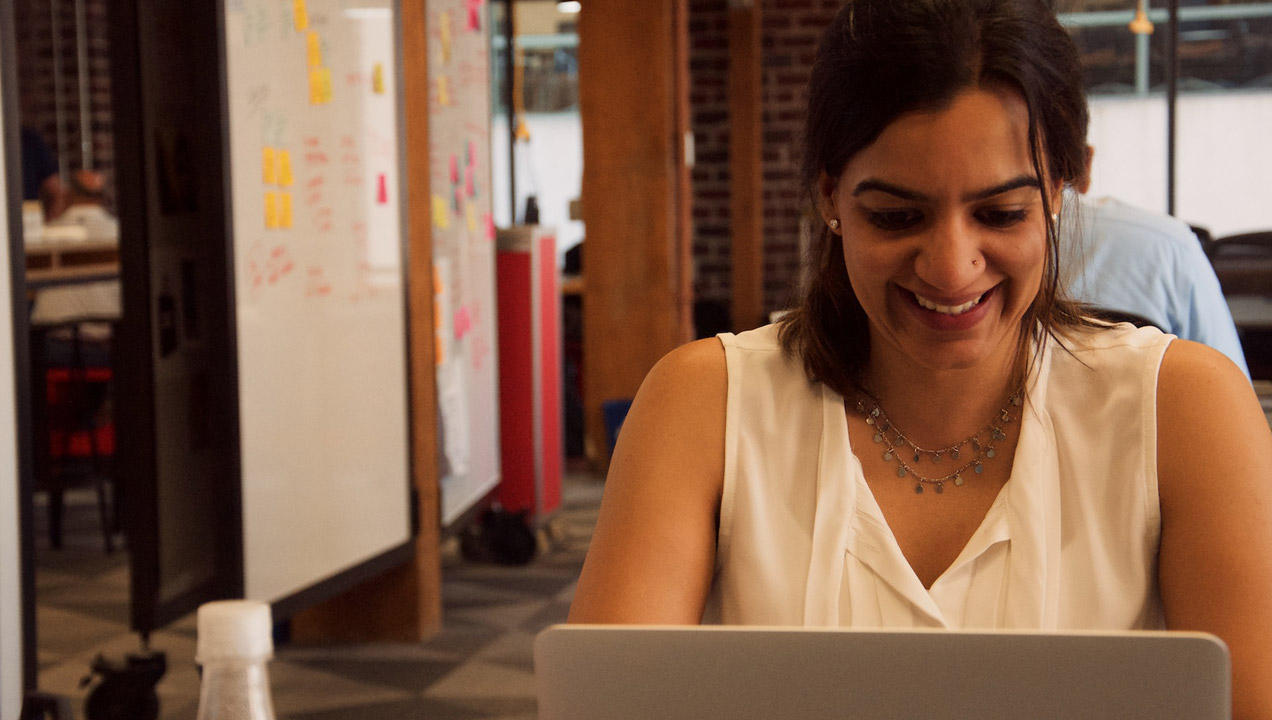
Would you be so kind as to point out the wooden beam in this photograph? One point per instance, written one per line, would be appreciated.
(404, 604)
(746, 163)
(633, 97)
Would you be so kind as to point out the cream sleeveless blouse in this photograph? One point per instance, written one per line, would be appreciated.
(1070, 542)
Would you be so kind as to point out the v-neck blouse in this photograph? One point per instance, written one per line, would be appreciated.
(1069, 543)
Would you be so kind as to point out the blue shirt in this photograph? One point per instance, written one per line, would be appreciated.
(38, 163)
(1128, 260)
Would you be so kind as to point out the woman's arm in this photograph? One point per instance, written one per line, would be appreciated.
(653, 553)
(1214, 465)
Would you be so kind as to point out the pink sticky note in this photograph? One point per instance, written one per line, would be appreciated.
(474, 14)
(469, 185)
(454, 169)
(490, 227)
(382, 190)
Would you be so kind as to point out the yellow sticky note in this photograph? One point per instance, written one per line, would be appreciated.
(284, 168)
(472, 217)
(301, 14)
(445, 23)
(377, 79)
(443, 91)
(441, 214)
(315, 48)
(315, 86)
(326, 85)
(284, 210)
(271, 211)
(269, 173)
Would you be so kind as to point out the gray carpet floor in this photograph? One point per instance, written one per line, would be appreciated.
(478, 667)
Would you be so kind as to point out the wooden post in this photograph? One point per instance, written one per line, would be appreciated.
(404, 604)
(633, 99)
(746, 167)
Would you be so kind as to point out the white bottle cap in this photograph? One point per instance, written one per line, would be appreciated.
(234, 629)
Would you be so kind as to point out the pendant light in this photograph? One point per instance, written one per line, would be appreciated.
(1141, 25)
(569, 7)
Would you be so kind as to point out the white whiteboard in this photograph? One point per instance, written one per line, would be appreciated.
(463, 252)
(10, 567)
(317, 222)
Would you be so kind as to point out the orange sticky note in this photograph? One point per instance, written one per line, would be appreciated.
(315, 49)
(271, 211)
(377, 79)
(284, 210)
(443, 91)
(301, 14)
(284, 168)
(269, 172)
(441, 214)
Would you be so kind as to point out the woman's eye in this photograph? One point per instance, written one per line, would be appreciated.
(895, 219)
(1000, 218)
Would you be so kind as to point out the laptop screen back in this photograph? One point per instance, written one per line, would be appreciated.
(628, 672)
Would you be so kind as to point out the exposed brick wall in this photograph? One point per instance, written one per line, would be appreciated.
(38, 84)
(791, 29)
(709, 119)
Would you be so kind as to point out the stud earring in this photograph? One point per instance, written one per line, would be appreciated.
(833, 223)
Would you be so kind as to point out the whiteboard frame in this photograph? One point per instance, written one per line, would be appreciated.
(18, 660)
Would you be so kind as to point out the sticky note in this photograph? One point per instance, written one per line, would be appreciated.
(472, 217)
(269, 174)
(271, 211)
(325, 74)
(444, 20)
(474, 15)
(443, 91)
(441, 214)
(490, 227)
(284, 210)
(315, 86)
(382, 190)
(377, 78)
(315, 49)
(319, 86)
(284, 168)
(454, 170)
(301, 14)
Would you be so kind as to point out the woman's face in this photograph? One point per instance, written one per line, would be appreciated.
(944, 232)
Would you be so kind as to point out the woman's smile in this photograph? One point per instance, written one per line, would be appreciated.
(948, 316)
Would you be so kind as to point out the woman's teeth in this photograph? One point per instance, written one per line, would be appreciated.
(948, 309)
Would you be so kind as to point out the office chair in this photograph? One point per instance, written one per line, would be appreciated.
(74, 435)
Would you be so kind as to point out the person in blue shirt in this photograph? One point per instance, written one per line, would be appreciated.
(40, 179)
(1136, 263)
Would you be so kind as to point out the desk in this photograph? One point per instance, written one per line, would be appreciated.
(53, 263)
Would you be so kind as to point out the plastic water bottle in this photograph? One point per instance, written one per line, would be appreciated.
(235, 643)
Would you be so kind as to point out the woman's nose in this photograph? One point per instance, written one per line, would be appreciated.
(949, 256)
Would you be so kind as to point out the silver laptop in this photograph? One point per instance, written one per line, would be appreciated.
(591, 672)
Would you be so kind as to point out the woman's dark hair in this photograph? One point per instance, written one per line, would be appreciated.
(880, 59)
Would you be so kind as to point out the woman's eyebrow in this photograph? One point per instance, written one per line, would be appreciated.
(1024, 181)
(874, 185)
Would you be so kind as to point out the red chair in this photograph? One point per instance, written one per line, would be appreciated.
(74, 426)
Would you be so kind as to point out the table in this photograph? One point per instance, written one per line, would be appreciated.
(53, 263)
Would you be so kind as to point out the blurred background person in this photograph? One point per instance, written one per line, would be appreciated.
(1145, 267)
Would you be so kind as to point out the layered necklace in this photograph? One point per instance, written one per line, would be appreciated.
(977, 449)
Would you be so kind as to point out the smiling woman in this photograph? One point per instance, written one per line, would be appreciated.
(934, 436)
